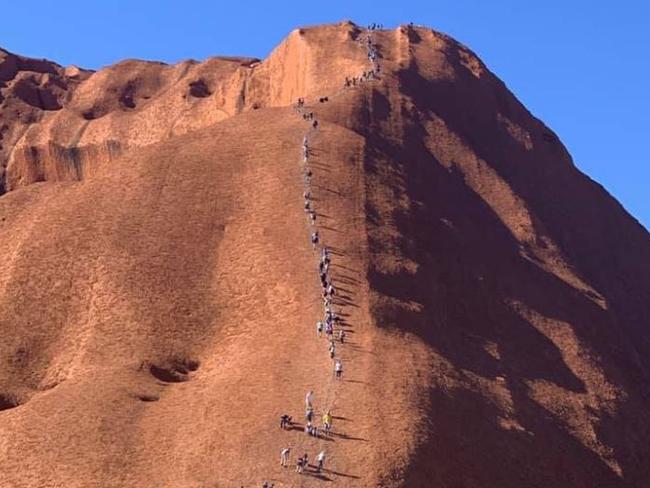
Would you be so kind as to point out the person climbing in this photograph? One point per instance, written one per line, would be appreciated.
(285, 421)
(321, 460)
(327, 422)
(309, 414)
(307, 195)
(319, 328)
(299, 466)
(332, 350)
(312, 217)
(342, 336)
(309, 397)
(314, 239)
(305, 461)
(331, 290)
(338, 369)
(284, 456)
(308, 428)
(329, 330)
(315, 124)
(307, 206)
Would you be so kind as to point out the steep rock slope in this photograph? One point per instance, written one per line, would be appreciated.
(158, 293)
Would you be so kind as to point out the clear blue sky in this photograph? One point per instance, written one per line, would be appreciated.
(581, 66)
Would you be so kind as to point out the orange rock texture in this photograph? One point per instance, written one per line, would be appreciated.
(159, 292)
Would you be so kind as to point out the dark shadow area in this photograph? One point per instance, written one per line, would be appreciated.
(8, 402)
(470, 272)
(344, 475)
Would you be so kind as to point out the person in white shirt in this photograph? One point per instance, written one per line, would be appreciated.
(284, 456)
(321, 460)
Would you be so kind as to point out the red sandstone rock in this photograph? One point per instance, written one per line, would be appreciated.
(158, 291)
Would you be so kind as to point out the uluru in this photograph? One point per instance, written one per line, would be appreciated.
(366, 232)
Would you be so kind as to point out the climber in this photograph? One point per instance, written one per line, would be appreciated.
(312, 217)
(321, 460)
(299, 465)
(309, 414)
(342, 336)
(307, 206)
(315, 124)
(305, 461)
(324, 253)
(332, 350)
(329, 321)
(319, 328)
(285, 421)
(327, 422)
(284, 456)
(331, 290)
(314, 239)
(307, 195)
(309, 398)
(338, 369)
(323, 266)
(329, 330)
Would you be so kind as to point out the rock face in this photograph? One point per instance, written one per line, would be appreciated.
(158, 290)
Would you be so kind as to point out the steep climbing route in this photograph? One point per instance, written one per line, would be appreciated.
(331, 322)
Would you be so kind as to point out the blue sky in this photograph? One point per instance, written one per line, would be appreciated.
(581, 66)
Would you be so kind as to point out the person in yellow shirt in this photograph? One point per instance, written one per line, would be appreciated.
(327, 422)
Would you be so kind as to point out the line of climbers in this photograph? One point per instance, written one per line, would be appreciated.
(332, 321)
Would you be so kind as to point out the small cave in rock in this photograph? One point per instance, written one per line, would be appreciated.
(199, 89)
(148, 398)
(90, 114)
(174, 371)
(127, 97)
(127, 101)
(7, 402)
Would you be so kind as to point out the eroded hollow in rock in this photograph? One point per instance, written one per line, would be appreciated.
(174, 371)
(8, 401)
(148, 398)
(199, 89)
